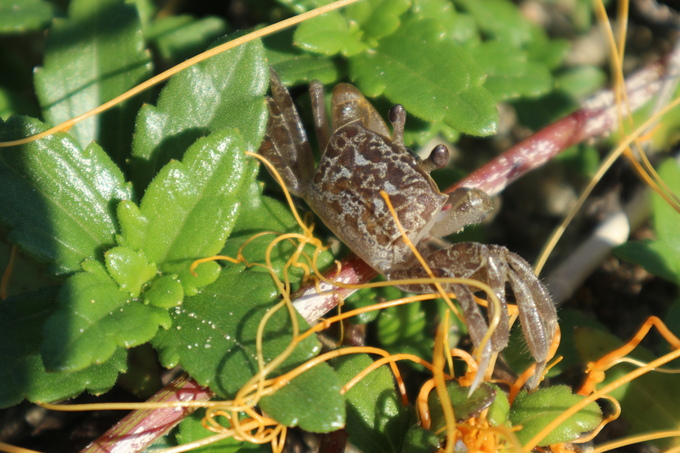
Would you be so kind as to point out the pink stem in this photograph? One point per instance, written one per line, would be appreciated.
(139, 429)
(597, 116)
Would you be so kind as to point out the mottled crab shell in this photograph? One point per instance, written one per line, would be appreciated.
(345, 191)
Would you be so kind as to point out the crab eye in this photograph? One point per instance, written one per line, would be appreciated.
(439, 156)
(397, 114)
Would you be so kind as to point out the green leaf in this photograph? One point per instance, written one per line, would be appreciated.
(534, 411)
(648, 403)
(90, 58)
(660, 257)
(500, 19)
(225, 91)
(457, 26)
(464, 407)
(23, 375)
(329, 34)
(311, 401)
(133, 225)
(58, 200)
(363, 298)
(300, 6)
(95, 318)
(420, 440)
(550, 52)
(191, 429)
(20, 16)
(129, 269)
(499, 411)
(261, 213)
(166, 291)
(510, 73)
(447, 88)
(666, 218)
(656, 257)
(377, 18)
(406, 328)
(376, 418)
(180, 37)
(191, 206)
(581, 81)
(213, 333)
(295, 66)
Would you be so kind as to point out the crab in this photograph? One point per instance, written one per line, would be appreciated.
(361, 158)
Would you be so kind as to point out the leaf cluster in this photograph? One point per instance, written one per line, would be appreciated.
(448, 63)
(117, 208)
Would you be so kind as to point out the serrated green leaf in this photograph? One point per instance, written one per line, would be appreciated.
(193, 281)
(441, 10)
(130, 269)
(213, 333)
(296, 69)
(581, 81)
(225, 91)
(447, 88)
(300, 6)
(550, 52)
(666, 218)
(510, 73)
(261, 213)
(648, 403)
(132, 225)
(376, 418)
(364, 298)
(191, 429)
(656, 257)
(464, 406)
(661, 256)
(377, 18)
(329, 34)
(500, 19)
(23, 375)
(191, 206)
(180, 37)
(166, 291)
(499, 411)
(20, 16)
(58, 200)
(405, 328)
(534, 411)
(534, 82)
(90, 58)
(295, 66)
(311, 401)
(94, 319)
(420, 440)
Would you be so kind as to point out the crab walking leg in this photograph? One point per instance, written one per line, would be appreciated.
(474, 319)
(494, 265)
(537, 312)
(323, 128)
(285, 143)
(474, 261)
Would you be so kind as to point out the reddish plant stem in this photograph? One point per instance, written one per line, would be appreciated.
(139, 429)
(597, 117)
(311, 306)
